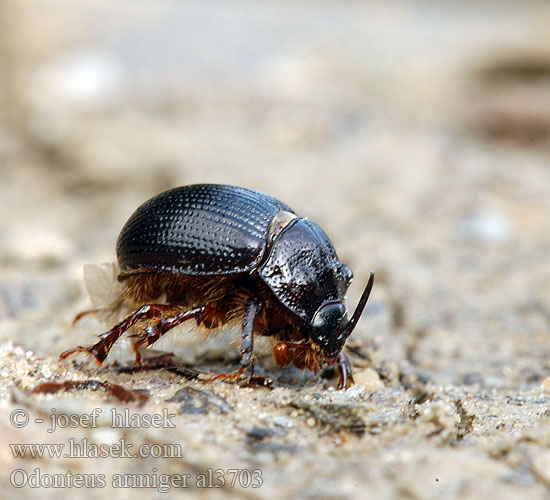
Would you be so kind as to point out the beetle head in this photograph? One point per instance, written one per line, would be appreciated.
(329, 319)
(330, 330)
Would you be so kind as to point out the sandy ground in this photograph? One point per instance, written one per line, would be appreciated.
(416, 134)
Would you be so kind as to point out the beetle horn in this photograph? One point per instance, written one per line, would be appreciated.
(350, 325)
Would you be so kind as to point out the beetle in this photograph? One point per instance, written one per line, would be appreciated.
(223, 254)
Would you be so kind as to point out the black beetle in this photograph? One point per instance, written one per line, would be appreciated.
(222, 254)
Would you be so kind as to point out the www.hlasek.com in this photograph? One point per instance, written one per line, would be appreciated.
(163, 483)
(82, 448)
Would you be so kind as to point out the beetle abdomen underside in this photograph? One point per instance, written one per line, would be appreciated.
(202, 229)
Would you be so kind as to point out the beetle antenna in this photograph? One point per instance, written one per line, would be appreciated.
(350, 325)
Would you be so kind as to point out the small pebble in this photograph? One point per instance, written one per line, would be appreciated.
(82, 77)
(39, 245)
(310, 422)
(355, 390)
(485, 226)
(106, 435)
(545, 384)
(282, 421)
(541, 466)
(369, 379)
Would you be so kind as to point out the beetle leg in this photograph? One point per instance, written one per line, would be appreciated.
(100, 350)
(344, 370)
(283, 353)
(252, 306)
(153, 332)
(87, 312)
(247, 345)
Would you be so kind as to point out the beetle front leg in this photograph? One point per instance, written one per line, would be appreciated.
(344, 371)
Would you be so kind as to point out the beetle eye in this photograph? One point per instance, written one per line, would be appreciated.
(347, 274)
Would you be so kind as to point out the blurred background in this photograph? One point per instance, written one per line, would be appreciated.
(417, 134)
